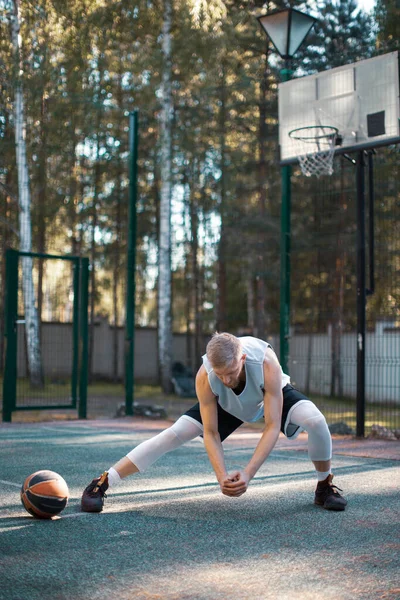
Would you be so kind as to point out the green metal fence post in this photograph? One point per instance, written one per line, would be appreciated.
(131, 264)
(284, 327)
(75, 334)
(83, 321)
(11, 313)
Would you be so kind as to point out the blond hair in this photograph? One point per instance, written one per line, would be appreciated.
(223, 349)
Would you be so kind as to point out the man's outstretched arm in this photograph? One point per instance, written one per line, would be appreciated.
(209, 416)
(236, 484)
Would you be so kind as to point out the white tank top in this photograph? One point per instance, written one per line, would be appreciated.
(249, 405)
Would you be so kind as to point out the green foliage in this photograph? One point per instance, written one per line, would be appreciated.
(387, 16)
(343, 34)
(89, 62)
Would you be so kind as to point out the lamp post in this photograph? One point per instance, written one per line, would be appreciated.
(287, 29)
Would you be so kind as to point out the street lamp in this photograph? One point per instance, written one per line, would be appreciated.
(287, 30)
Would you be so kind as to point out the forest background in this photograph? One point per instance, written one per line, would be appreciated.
(85, 65)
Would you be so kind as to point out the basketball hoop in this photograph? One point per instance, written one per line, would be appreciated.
(315, 148)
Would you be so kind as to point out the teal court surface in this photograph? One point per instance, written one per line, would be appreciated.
(170, 534)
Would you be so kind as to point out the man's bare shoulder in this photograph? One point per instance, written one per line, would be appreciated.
(270, 356)
(271, 364)
(201, 376)
(203, 387)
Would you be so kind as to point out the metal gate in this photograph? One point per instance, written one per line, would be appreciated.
(63, 349)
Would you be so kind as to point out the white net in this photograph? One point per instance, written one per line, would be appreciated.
(315, 147)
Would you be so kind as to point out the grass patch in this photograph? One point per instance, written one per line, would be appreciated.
(55, 389)
(344, 409)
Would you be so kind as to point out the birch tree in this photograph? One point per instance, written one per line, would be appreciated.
(25, 226)
(205, 15)
(164, 276)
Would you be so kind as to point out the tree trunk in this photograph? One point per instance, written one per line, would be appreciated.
(8, 213)
(251, 318)
(42, 197)
(262, 177)
(25, 225)
(188, 277)
(164, 278)
(188, 308)
(6, 239)
(73, 187)
(92, 306)
(194, 226)
(117, 252)
(221, 324)
(118, 210)
(199, 304)
(93, 246)
(116, 273)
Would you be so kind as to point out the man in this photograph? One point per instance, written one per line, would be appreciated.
(240, 381)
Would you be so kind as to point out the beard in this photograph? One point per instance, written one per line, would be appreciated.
(238, 381)
(234, 385)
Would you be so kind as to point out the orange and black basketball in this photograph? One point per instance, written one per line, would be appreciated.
(44, 494)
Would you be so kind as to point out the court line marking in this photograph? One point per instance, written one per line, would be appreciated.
(76, 429)
(40, 434)
(58, 429)
(15, 527)
(344, 470)
(376, 465)
(18, 485)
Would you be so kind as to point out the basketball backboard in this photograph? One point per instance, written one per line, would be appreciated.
(361, 100)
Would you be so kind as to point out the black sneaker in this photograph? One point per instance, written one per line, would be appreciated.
(93, 496)
(327, 495)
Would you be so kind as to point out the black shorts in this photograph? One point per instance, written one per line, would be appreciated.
(227, 423)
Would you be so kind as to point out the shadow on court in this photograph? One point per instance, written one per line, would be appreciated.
(170, 534)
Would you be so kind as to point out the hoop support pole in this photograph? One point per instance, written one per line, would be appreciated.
(284, 329)
(361, 296)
